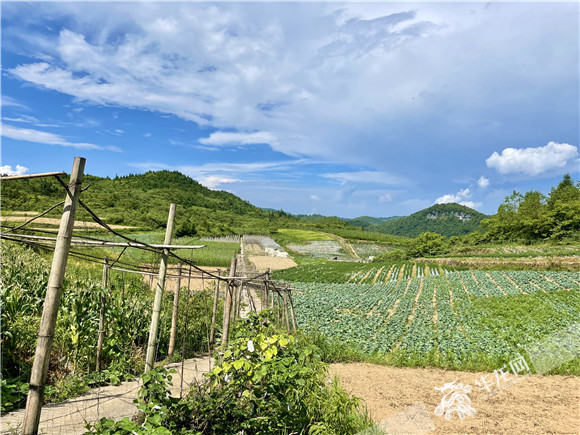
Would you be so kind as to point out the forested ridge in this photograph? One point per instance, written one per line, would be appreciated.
(142, 201)
(445, 219)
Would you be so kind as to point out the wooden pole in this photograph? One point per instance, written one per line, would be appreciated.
(285, 317)
(278, 307)
(239, 292)
(294, 325)
(234, 303)
(102, 315)
(174, 313)
(251, 299)
(216, 296)
(228, 303)
(151, 345)
(52, 300)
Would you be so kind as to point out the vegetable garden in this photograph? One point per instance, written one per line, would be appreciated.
(342, 272)
(469, 320)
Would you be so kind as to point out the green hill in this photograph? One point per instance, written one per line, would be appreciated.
(143, 201)
(446, 219)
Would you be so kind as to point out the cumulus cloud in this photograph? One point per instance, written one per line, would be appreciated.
(214, 181)
(483, 182)
(533, 161)
(43, 137)
(314, 197)
(385, 198)
(458, 197)
(470, 204)
(7, 170)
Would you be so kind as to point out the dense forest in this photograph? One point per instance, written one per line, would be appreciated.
(534, 216)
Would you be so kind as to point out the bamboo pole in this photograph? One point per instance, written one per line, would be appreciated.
(228, 303)
(174, 314)
(251, 299)
(216, 296)
(52, 300)
(294, 325)
(22, 177)
(151, 345)
(239, 293)
(102, 315)
(278, 307)
(285, 318)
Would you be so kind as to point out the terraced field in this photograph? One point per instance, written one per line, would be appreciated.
(462, 320)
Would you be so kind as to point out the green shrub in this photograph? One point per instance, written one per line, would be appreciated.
(265, 381)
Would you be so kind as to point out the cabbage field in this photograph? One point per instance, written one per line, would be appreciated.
(471, 320)
(343, 272)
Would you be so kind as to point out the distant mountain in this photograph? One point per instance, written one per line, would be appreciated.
(446, 219)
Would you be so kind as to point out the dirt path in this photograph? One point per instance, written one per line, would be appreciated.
(534, 405)
(112, 402)
(348, 248)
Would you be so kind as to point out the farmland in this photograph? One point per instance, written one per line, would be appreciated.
(469, 320)
(360, 273)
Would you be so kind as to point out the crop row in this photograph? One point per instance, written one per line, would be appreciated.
(456, 317)
(342, 272)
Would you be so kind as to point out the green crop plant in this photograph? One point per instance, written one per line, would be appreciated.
(460, 320)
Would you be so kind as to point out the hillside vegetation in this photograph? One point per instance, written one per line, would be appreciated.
(142, 201)
(445, 219)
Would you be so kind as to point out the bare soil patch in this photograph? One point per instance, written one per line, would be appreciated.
(263, 263)
(534, 405)
(196, 283)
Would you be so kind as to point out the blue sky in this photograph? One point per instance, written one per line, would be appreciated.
(344, 109)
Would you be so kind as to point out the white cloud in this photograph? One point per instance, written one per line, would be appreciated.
(7, 170)
(458, 198)
(43, 137)
(147, 135)
(315, 197)
(483, 182)
(221, 138)
(28, 120)
(450, 198)
(470, 204)
(377, 177)
(214, 181)
(9, 101)
(385, 198)
(533, 161)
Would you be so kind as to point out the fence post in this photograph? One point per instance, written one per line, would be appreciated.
(285, 318)
(228, 303)
(102, 315)
(174, 313)
(294, 326)
(216, 296)
(150, 360)
(52, 300)
(239, 292)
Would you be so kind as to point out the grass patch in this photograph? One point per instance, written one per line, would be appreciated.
(297, 236)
